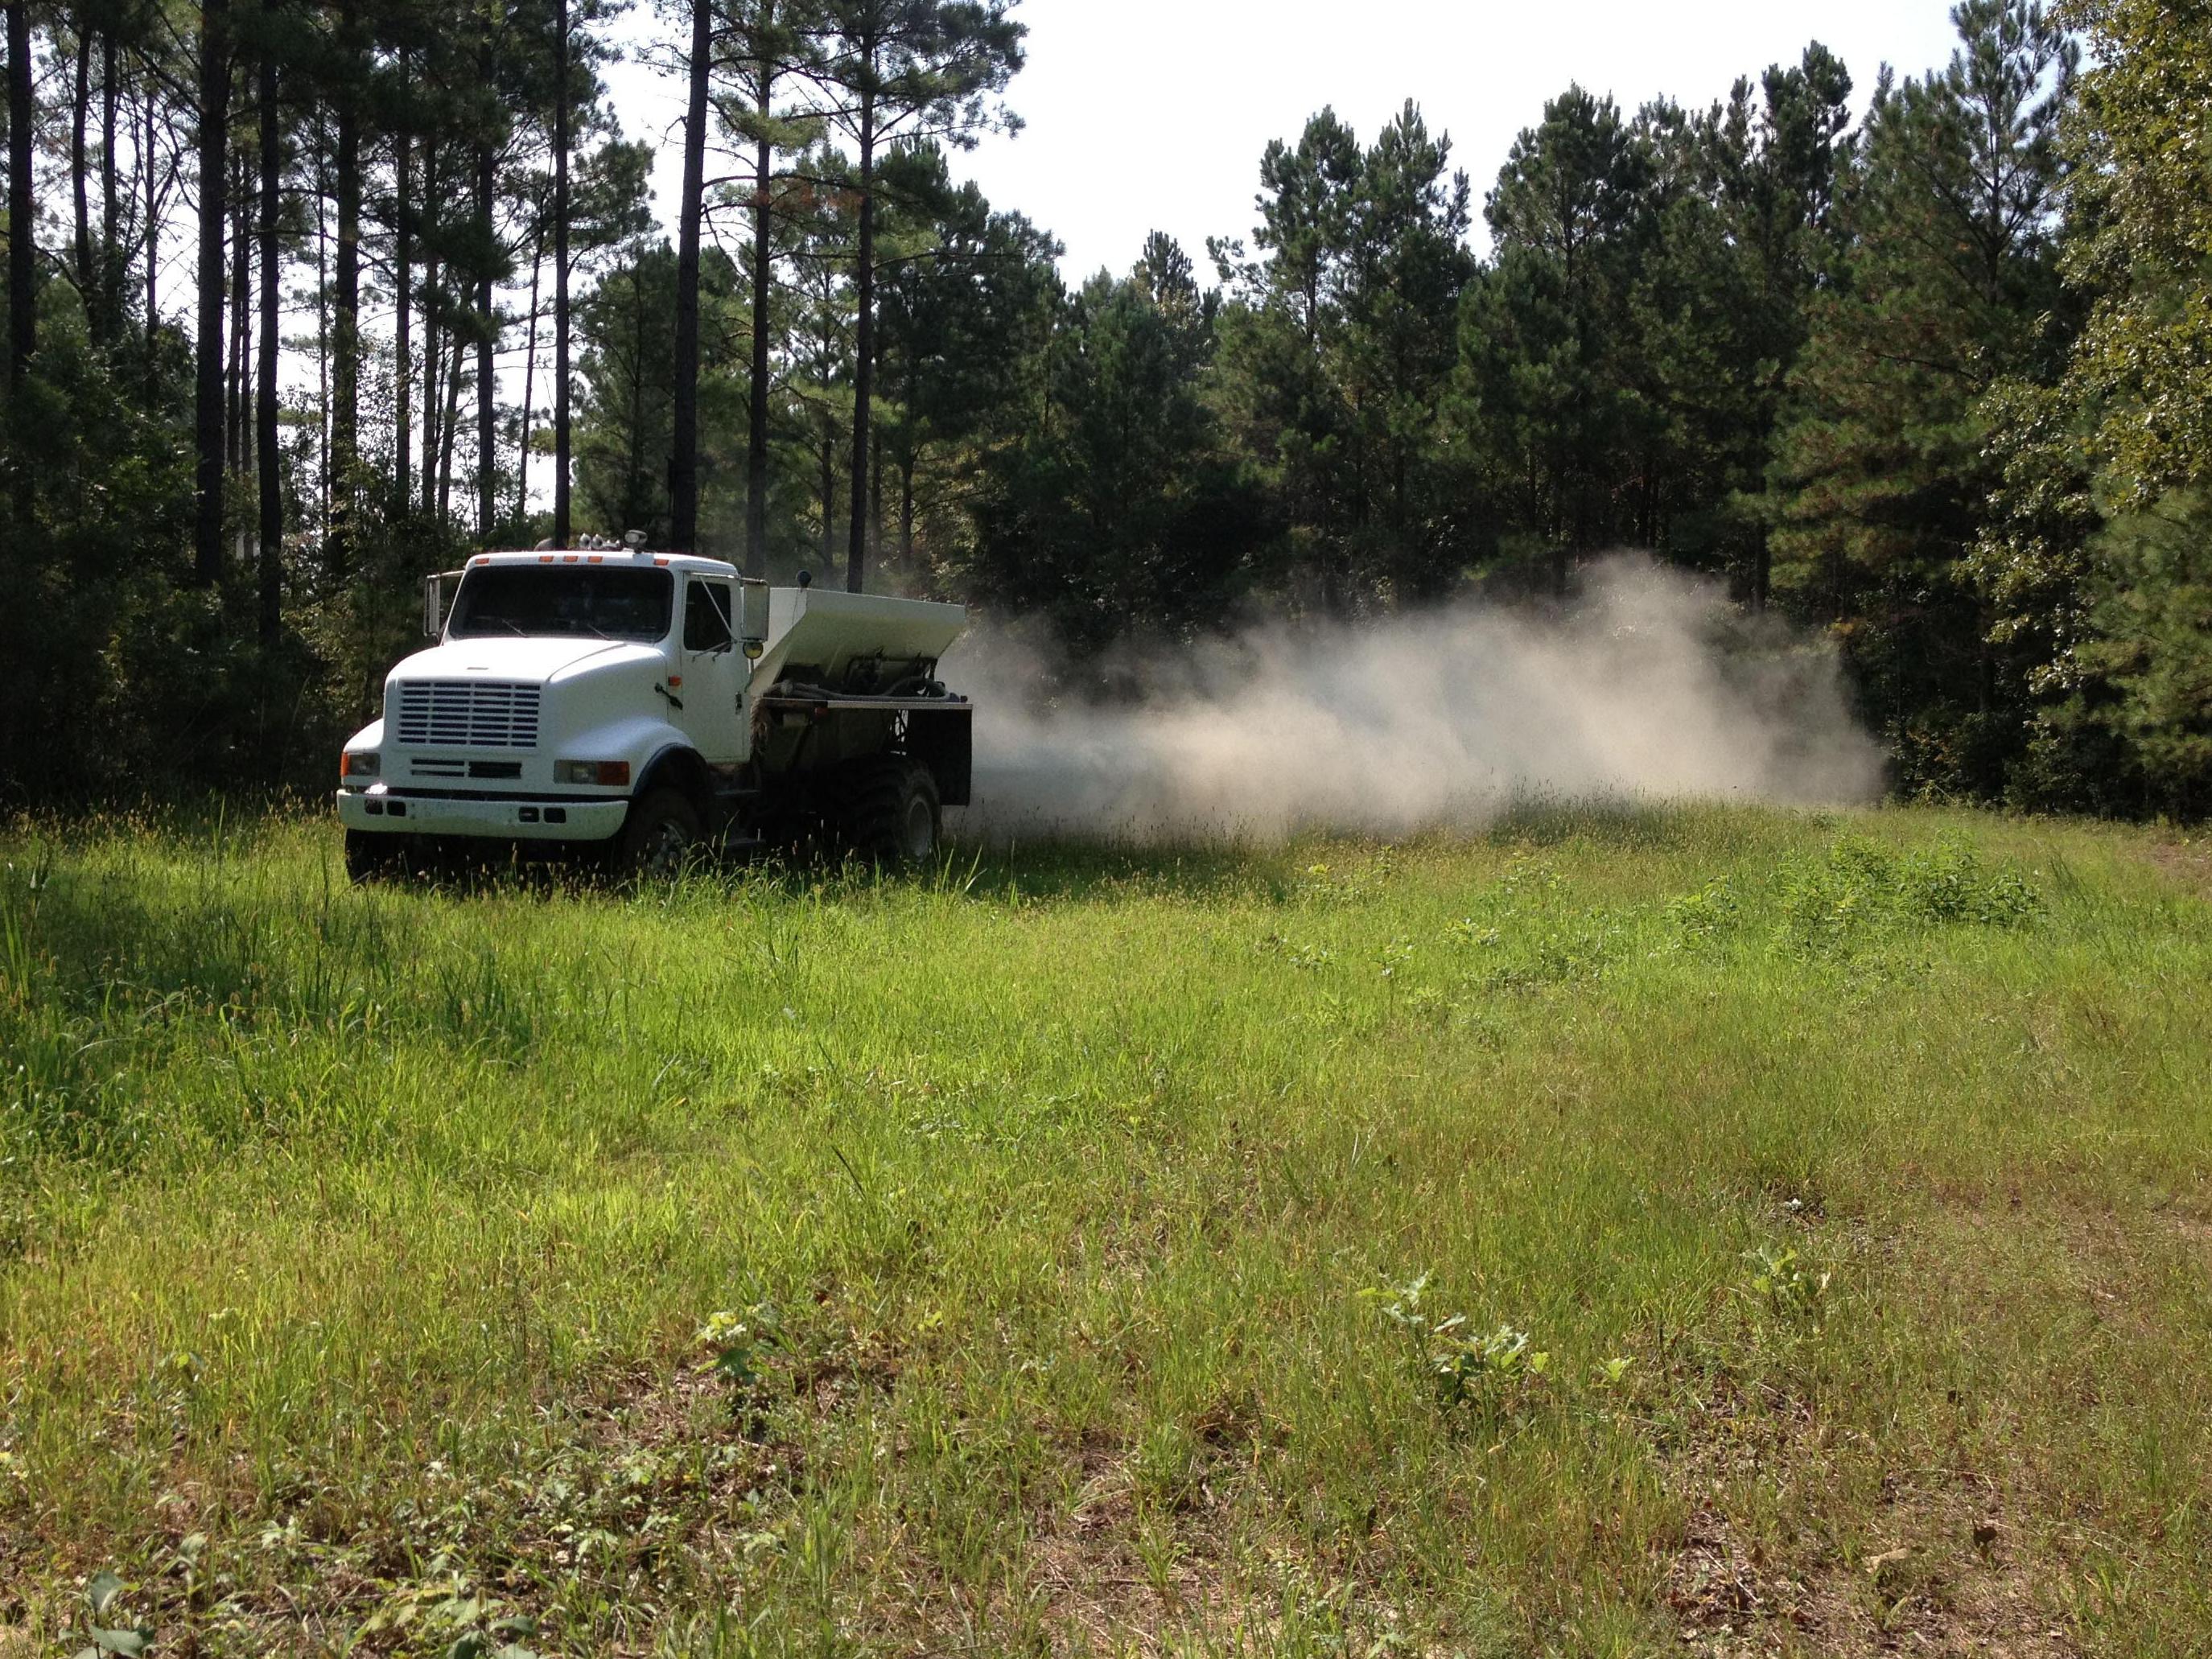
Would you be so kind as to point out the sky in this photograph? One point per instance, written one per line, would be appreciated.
(1142, 115)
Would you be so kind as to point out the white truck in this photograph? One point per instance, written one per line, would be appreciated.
(642, 705)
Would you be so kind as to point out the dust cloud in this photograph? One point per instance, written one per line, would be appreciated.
(1648, 686)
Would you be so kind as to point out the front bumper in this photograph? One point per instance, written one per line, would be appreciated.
(379, 811)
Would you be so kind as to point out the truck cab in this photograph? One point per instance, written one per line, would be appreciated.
(642, 704)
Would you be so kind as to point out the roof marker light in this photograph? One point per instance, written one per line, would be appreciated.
(544, 558)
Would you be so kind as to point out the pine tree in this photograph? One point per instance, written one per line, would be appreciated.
(684, 449)
(23, 214)
(1119, 510)
(904, 72)
(1879, 479)
(208, 343)
(773, 43)
(2098, 555)
(1550, 338)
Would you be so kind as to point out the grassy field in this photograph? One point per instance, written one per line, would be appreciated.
(1619, 1231)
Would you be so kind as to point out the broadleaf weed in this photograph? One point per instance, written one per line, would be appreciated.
(1488, 1374)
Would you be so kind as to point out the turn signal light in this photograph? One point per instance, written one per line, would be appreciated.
(600, 772)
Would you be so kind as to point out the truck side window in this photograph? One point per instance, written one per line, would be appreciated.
(707, 616)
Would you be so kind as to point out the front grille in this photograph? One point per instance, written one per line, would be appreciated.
(468, 714)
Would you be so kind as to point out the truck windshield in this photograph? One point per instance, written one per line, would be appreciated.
(595, 602)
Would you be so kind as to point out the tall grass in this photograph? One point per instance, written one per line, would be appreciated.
(1004, 1259)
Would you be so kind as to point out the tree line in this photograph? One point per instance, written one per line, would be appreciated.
(306, 299)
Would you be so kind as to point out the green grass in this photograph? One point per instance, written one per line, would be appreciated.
(1052, 1221)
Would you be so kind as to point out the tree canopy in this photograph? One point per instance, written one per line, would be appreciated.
(306, 298)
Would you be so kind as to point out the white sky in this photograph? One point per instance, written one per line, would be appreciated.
(1151, 114)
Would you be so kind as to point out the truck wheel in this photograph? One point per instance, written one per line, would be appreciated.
(659, 836)
(891, 813)
(368, 857)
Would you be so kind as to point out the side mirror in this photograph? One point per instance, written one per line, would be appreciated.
(433, 600)
(753, 625)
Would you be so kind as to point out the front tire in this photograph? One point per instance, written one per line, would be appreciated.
(659, 836)
(372, 857)
(890, 816)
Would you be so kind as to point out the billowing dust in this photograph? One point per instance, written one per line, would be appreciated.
(1648, 686)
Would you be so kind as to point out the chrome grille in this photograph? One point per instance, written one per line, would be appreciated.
(468, 715)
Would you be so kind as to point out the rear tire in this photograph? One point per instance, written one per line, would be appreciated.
(889, 814)
(659, 836)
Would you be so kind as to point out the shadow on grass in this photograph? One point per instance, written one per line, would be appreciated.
(1642, 825)
(1051, 868)
(1071, 869)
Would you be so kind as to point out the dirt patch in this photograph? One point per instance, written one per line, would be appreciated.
(1955, 1582)
(1128, 1565)
(2188, 862)
(2191, 1229)
(1111, 1584)
(1937, 1572)
(1956, 1589)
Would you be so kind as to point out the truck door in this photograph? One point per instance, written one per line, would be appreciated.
(714, 674)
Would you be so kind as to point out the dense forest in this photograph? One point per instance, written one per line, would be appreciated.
(307, 298)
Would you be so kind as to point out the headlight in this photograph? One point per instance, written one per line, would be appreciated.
(360, 763)
(601, 772)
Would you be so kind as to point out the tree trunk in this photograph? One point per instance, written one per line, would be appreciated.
(634, 490)
(433, 382)
(906, 512)
(756, 399)
(828, 502)
(684, 459)
(241, 316)
(322, 341)
(81, 172)
(561, 536)
(449, 419)
(763, 274)
(269, 561)
(153, 238)
(22, 267)
(488, 334)
(864, 344)
(207, 395)
(108, 319)
(529, 382)
(402, 359)
(23, 250)
(345, 367)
